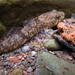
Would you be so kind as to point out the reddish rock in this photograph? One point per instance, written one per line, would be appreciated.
(20, 57)
(13, 59)
(25, 73)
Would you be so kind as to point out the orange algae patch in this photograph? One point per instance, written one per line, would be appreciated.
(67, 30)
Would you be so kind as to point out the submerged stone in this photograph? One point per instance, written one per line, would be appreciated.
(52, 44)
(54, 64)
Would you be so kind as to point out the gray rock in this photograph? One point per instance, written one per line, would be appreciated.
(25, 49)
(36, 49)
(54, 64)
(33, 53)
(33, 63)
(5, 64)
(17, 51)
(24, 62)
(32, 58)
(29, 69)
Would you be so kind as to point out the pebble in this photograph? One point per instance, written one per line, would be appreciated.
(25, 49)
(48, 30)
(17, 51)
(27, 65)
(13, 59)
(29, 70)
(24, 62)
(32, 58)
(25, 56)
(5, 64)
(20, 57)
(46, 50)
(33, 63)
(29, 60)
(1, 72)
(5, 56)
(33, 53)
(36, 49)
(25, 72)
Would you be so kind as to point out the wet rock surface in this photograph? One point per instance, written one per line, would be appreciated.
(54, 64)
(25, 57)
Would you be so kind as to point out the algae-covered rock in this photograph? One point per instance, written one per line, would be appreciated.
(52, 44)
(17, 72)
(54, 64)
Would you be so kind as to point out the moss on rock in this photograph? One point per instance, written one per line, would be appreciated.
(17, 72)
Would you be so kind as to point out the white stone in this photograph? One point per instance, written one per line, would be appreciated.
(33, 53)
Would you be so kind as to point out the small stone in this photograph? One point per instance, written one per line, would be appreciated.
(25, 49)
(1, 72)
(70, 58)
(36, 49)
(20, 57)
(24, 62)
(32, 58)
(33, 53)
(48, 30)
(34, 68)
(29, 60)
(5, 56)
(5, 64)
(52, 44)
(25, 73)
(29, 70)
(27, 65)
(33, 63)
(13, 59)
(25, 56)
(45, 50)
(17, 51)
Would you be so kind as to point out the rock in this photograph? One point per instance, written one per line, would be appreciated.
(52, 44)
(5, 56)
(1, 72)
(13, 59)
(17, 72)
(20, 57)
(29, 60)
(32, 58)
(54, 64)
(48, 30)
(24, 62)
(36, 49)
(27, 65)
(5, 64)
(43, 71)
(29, 70)
(25, 49)
(17, 51)
(33, 53)
(33, 63)
(25, 72)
